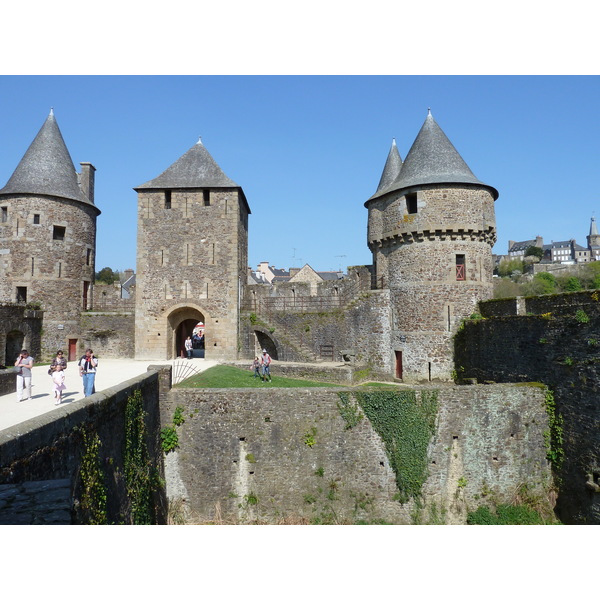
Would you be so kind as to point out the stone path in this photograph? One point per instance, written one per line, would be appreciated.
(111, 371)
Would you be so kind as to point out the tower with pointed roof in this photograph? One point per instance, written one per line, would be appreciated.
(593, 240)
(48, 237)
(431, 228)
(192, 255)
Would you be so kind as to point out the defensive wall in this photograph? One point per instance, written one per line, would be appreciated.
(553, 339)
(276, 454)
(20, 327)
(77, 464)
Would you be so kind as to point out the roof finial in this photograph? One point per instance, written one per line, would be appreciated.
(52, 111)
(429, 111)
(199, 140)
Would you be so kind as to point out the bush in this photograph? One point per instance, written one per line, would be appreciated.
(506, 514)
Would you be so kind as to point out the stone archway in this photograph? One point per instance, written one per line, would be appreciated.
(14, 345)
(266, 342)
(181, 323)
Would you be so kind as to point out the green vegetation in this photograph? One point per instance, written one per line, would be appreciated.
(141, 478)
(505, 514)
(309, 437)
(535, 251)
(107, 275)
(224, 376)
(349, 410)
(581, 316)
(92, 503)
(553, 437)
(406, 424)
(168, 435)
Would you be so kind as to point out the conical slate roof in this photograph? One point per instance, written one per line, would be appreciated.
(593, 227)
(433, 159)
(391, 170)
(195, 169)
(46, 168)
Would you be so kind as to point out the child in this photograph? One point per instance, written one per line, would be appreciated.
(256, 367)
(58, 378)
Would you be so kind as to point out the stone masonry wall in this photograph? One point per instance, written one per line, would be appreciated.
(50, 448)
(243, 455)
(19, 328)
(562, 351)
(110, 335)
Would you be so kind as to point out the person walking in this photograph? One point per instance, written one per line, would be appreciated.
(59, 359)
(256, 367)
(87, 370)
(265, 361)
(188, 347)
(58, 384)
(24, 364)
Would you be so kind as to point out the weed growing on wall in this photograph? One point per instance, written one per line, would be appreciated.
(406, 424)
(93, 496)
(349, 410)
(168, 435)
(553, 437)
(505, 514)
(141, 478)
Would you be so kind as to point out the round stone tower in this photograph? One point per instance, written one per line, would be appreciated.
(48, 238)
(431, 231)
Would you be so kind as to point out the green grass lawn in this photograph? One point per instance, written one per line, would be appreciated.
(224, 376)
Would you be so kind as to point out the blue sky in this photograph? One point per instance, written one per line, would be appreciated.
(309, 150)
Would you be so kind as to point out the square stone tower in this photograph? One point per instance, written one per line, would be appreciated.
(192, 255)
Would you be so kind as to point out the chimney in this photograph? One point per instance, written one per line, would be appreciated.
(86, 180)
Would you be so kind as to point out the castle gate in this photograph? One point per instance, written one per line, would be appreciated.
(181, 323)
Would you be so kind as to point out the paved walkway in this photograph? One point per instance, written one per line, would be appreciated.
(111, 371)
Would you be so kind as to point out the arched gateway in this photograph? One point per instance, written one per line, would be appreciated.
(182, 323)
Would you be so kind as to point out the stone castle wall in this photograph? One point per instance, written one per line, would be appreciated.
(189, 255)
(19, 328)
(237, 445)
(110, 334)
(560, 347)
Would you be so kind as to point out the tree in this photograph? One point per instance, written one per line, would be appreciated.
(542, 283)
(535, 251)
(506, 268)
(107, 275)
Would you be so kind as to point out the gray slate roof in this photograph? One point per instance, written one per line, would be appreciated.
(391, 170)
(195, 169)
(46, 168)
(432, 159)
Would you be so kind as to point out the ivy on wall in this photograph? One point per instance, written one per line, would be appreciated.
(92, 503)
(141, 478)
(406, 424)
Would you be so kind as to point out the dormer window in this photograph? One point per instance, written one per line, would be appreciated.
(411, 204)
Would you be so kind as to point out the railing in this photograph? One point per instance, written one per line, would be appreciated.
(113, 304)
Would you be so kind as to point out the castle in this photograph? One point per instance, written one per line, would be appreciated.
(431, 228)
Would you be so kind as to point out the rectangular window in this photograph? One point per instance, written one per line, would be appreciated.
(168, 199)
(88, 256)
(460, 267)
(411, 204)
(21, 294)
(58, 233)
(206, 195)
(36, 219)
(4, 214)
(86, 289)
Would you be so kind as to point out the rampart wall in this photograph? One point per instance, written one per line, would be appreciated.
(556, 341)
(271, 455)
(109, 334)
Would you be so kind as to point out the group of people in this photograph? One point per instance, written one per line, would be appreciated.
(87, 364)
(261, 366)
(195, 342)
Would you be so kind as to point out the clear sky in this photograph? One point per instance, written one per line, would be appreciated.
(308, 151)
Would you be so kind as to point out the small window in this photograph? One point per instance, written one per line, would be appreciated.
(21, 294)
(167, 199)
(36, 219)
(411, 204)
(4, 214)
(58, 233)
(88, 256)
(206, 195)
(460, 267)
